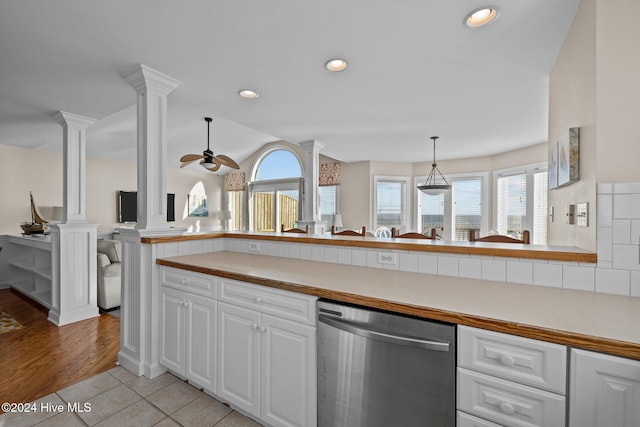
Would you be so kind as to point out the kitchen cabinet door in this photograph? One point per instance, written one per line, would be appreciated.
(288, 373)
(239, 357)
(201, 341)
(172, 335)
(604, 390)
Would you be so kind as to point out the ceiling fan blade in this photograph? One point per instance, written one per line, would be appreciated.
(225, 160)
(215, 167)
(187, 163)
(191, 157)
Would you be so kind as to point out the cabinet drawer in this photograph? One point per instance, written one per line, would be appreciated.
(508, 403)
(466, 420)
(531, 362)
(196, 283)
(285, 304)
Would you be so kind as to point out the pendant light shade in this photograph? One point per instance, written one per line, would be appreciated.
(435, 183)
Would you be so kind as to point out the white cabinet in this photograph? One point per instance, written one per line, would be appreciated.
(604, 390)
(188, 336)
(249, 345)
(267, 362)
(509, 380)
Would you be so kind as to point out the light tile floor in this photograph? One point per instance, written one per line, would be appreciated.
(118, 398)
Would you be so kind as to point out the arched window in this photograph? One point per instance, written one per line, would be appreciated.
(275, 191)
(278, 164)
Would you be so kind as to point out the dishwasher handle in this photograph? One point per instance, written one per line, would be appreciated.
(358, 329)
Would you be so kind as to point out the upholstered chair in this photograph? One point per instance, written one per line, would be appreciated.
(109, 269)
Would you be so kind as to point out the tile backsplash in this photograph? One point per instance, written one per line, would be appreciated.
(618, 239)
(618, 248)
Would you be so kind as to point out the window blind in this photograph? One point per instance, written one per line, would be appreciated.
(511, 210)
(540, 191)
(467, 207)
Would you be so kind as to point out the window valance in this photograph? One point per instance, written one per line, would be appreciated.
(329, 174)
(234, 181)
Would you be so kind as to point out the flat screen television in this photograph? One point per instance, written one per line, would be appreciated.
(128, 206)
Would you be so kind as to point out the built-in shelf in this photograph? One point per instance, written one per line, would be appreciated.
(30, 267)
(26, 288)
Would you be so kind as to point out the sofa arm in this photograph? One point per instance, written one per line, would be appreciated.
(103, 261)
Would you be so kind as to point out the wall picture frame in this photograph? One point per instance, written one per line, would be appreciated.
(553, 165)
(197, 205)
(569, 157)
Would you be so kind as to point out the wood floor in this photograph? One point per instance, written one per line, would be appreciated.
(42, 358)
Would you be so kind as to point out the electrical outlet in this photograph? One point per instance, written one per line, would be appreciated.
(254, 247)
(387, 258)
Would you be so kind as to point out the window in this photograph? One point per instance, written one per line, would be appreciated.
(454, 213)
(274, 195)
(390, 202)
(521, 202)
(467, 207)
(234, 204)
(328, 203)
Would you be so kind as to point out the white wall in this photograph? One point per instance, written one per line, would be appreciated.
(572, 103)
(22, 170)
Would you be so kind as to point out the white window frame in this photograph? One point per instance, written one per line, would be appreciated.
(274, 186)
(529, 170)
(448, 201)
(337, 201)
(405, 181)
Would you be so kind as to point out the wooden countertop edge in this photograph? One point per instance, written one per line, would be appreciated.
(588, 342)
(521, 251)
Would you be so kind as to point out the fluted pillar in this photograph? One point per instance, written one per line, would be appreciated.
(73, 241)
(140, 304)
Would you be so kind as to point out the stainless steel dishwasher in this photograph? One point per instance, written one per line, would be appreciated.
(382, 369)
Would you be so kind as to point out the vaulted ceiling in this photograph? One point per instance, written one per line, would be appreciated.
(414, 71)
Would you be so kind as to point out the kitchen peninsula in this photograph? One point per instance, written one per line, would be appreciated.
(588, 320)
(545, 353)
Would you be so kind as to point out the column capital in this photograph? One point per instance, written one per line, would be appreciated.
(311, 145)
(143, 79)
(73, 120)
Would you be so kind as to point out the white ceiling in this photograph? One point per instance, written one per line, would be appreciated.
(414, 71)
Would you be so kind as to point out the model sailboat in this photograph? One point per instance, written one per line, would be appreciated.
(38, 224)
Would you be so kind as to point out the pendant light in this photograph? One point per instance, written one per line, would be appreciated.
(434, 185)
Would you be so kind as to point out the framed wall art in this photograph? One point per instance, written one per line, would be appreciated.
(553, 165)
(569, 157)
(197, 204)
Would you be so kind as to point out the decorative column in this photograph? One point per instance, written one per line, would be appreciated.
(310, 213)
(140, 304)
(73, 241)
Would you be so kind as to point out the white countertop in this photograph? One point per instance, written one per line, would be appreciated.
(585, 319)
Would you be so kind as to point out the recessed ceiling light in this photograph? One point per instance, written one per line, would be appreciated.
(481, 17)
(336, 64)
(248, 93)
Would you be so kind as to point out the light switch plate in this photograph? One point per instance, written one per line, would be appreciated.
(582, 214)
(571, 209)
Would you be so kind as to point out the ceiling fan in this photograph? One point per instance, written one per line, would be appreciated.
(209, 160)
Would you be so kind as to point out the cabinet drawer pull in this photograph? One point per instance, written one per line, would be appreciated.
(507, 408)
(263, 329)
(258, 300)
(254, 326)
(507, 360)
(184, 281)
